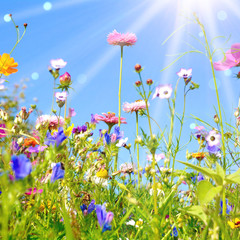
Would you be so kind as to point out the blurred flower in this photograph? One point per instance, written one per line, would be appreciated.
(126, 168)
(2, 87)
(58, 63)
(135, 106)
(109, 118)
(107, 138)
(229, 207)
(30, 142)
(61, 96)
(200, 132)
(121, 39)
(52, 122)
(175, 232)
(104, 218)
(3, 133)
(87, 210)
(57, 137)
(36, 149)
(71, 112)
(79, 129)
(69, 130)
(213, 138)
(24, 114)
(199, 155)
(93, 120)
(102, 173)
(184, 73)
(230, 59)
(122, 142)
(21, 166)
(163, 91)
(158, 157)
(116, 135)
(235, 223)
(7, 65)
(199, 178)
(100, 181)
(57, 172)
(33, 191)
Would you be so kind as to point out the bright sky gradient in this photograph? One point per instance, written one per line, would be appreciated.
(76, 30)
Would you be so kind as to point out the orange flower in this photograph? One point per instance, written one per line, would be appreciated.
(29, 142)
(199, 155)
(7, 64)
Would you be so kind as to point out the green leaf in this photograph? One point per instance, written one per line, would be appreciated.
(167, 200)
(122, 186)
(196, 211)
(220, 170)
(206, 171)
(234, 177)
(206, 191)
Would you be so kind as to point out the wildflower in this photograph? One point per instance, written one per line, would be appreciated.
(65, 79)
(121, 39)
(231, 59)
(2, 131)
(199, 155)
(57, 137)
(199, 178)
(7, 64)
(139, 223)
(149, 82)
(87, 210)
(138, 68)
(131, 222)
(104, 218)
(213, 138)
(93, 120)
(135, 106)
(24, 114)
(126, 168)
(109, 118)
(71, 112)
(229, 207)
(57, 172)
(158, 157)
(107, 138)
(184, 73)
(69, 130)
(2, 87)
(78, 129)
(175, 232)
(102, 173)
(33, 191)
(61, 96)
(200, 132)
(36, 149)
(99, 181)
(122, 142)
(159, 192)
(30, 142)
(235, 223)
(116, 135)
(138, 83)
(52, 122)
(163, 91)
(21, 166)
(58, 63)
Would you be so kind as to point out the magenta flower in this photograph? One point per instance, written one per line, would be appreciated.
(163, 91)
(61, 96)
(184, 73)
(71, 112)
(2, 132)
(121, 39)
(231, 59)
(109, 118)
(53, 122)
(33, 191)
(135, 106)
(65, 79)
(58, 63)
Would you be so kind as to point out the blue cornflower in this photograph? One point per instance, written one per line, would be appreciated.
(57, 137)
(57, 172)
(104, 218)
(228, 207)
(21, 166)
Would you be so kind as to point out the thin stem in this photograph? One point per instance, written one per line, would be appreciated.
(54, 83)
(137, 149)
(119, 91)
(65, 111)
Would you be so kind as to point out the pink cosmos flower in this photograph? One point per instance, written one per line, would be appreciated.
(135, 106)
(163, 91)
(2, 132)
(231, 59)
(109, 118)
(58, 63)
(61, 96)
(121, 39)
(158, 157)
(53, 122)
(33, 191)
(184, 73)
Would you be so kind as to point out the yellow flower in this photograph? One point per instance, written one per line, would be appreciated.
(235, 224)
(69, 130)
(103, 173)
(7, 64)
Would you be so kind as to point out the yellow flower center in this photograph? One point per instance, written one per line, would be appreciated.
(103, 173)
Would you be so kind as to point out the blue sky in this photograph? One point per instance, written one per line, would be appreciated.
(76, 30)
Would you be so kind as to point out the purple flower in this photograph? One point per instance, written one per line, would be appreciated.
(3, 133)
(21, 166)
(229, 207)
(213, 138)
(104, 218)
(79, 129)
(87, 210)
(200, 132)
(36, 149)
(57, 137)
(93, 120)
(107, 138)
(163, 91)
(184, 73)
(71, 112)
(57, 172)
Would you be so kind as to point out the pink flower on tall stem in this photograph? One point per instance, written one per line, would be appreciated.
(109, 118)
(135, 106)
(58, 63)
(121, 39)
(163, 91)
(231, 59)
(52, 122)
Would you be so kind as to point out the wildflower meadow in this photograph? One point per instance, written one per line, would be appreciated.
(118, 160)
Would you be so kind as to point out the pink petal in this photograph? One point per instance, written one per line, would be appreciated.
(235, 51)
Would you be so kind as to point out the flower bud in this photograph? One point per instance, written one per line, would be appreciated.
(138, 83)
(17, 120)
(238, 75)
(149, 82)
(60, 103)
(236, 113)
(216, 119)
(65, 79)
(138, 68)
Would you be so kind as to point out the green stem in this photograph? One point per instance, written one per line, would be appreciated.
(137, 149)
(119, 91)
(54, 83)
(65, 110)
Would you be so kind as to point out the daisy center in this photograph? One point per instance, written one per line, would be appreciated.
(212, 138)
